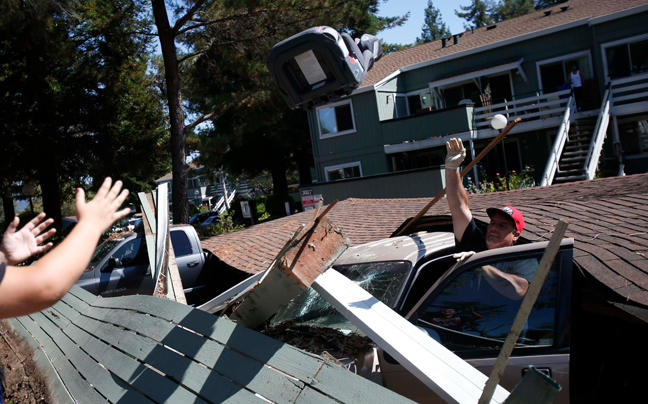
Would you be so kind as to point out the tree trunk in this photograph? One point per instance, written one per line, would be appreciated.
(51, 195)
(8, 207)
(279, 180)
(176, 114)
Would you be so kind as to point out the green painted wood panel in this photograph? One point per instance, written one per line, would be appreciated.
(135, 374)
(57, 378)
(259, 347)
(227, 362)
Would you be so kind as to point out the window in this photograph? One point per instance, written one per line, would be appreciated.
(471, 312)
(554, 73)
(454, 95)
(343, 171)
(625, 59)
(132, 253)
(336, 119)
(181, 243)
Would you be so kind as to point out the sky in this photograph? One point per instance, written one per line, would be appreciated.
(407, 33)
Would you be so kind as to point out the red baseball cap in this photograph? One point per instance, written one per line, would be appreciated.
(511, 212)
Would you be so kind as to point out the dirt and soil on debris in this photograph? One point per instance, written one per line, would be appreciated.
(22, 381)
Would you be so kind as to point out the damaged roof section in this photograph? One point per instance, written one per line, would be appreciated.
(607, 217)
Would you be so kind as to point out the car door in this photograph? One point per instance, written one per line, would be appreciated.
(469, 314)
(127, 270)
(189, 257)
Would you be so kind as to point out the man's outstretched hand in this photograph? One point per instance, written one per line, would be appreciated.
(17, 246)
(456, 153)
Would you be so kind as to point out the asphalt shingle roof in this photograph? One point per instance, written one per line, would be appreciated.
(515, 27)
(608, 218)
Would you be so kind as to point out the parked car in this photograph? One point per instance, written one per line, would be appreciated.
(211, 220)
(418, 277)
(120, 265)
(199, 218)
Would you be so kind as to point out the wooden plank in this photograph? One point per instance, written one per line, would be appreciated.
(175, 282)
(161, 235)
(55, 383)
(453, 379)
(232, 294)
(228, 362)
(114, 389)
(150, 224)
(523, 312)
(308, 256)
(283, 357)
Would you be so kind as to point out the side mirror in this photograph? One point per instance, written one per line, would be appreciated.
(112, 264)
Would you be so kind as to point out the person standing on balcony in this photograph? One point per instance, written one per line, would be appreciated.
(576, 80)
(506, 225)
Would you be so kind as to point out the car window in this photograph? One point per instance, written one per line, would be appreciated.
(132, 253)
(471, 311)
(384, 280)
(181, 243)
(101, 251)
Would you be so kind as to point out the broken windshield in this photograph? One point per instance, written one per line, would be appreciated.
(384, 280)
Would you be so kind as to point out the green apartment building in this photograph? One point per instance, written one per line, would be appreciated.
(387, 139)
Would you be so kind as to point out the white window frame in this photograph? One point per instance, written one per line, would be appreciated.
(606, 45)
(561, 58)
(345, 165)
(333, 105)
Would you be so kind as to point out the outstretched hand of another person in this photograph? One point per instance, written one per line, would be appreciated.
(17, 246)
(456, 153)
(101, 211)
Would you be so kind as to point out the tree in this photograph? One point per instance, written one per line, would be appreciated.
(540, 4)
(222, 74)
(512, 8)
(433, 27)
(71, 77)
(477, 15)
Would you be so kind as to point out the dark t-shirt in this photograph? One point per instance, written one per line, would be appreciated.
(3, 266)
(474, 239)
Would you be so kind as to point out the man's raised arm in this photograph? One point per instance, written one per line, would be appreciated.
(455, 192)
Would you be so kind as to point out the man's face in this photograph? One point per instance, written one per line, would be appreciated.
(501, 232)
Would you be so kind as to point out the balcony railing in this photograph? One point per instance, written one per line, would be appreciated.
(629, 89)
(530, 108)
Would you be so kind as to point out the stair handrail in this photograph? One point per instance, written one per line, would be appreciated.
(559, 143)
(220, 206)
(600, 132)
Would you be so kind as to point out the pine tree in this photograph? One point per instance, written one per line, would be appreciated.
(477, 15)
(512, 8)
(433, 27)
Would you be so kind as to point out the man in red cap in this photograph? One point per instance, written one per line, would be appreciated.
(504, 228)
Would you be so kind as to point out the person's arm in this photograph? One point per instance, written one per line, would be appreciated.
(17, 246)
(455, 191)
(30, 289)
(509, 285)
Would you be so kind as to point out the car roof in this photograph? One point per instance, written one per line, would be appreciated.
(411, 248)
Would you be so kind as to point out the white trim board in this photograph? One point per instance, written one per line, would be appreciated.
(449, 376)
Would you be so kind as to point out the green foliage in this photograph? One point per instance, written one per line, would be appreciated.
(512, 8)
(433, 27)
(515, 181)
(478, 14)
(276, 205)
(78, 102)
(253, 130)
(223, 226)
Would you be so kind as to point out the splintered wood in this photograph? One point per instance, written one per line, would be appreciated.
(307, 254)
